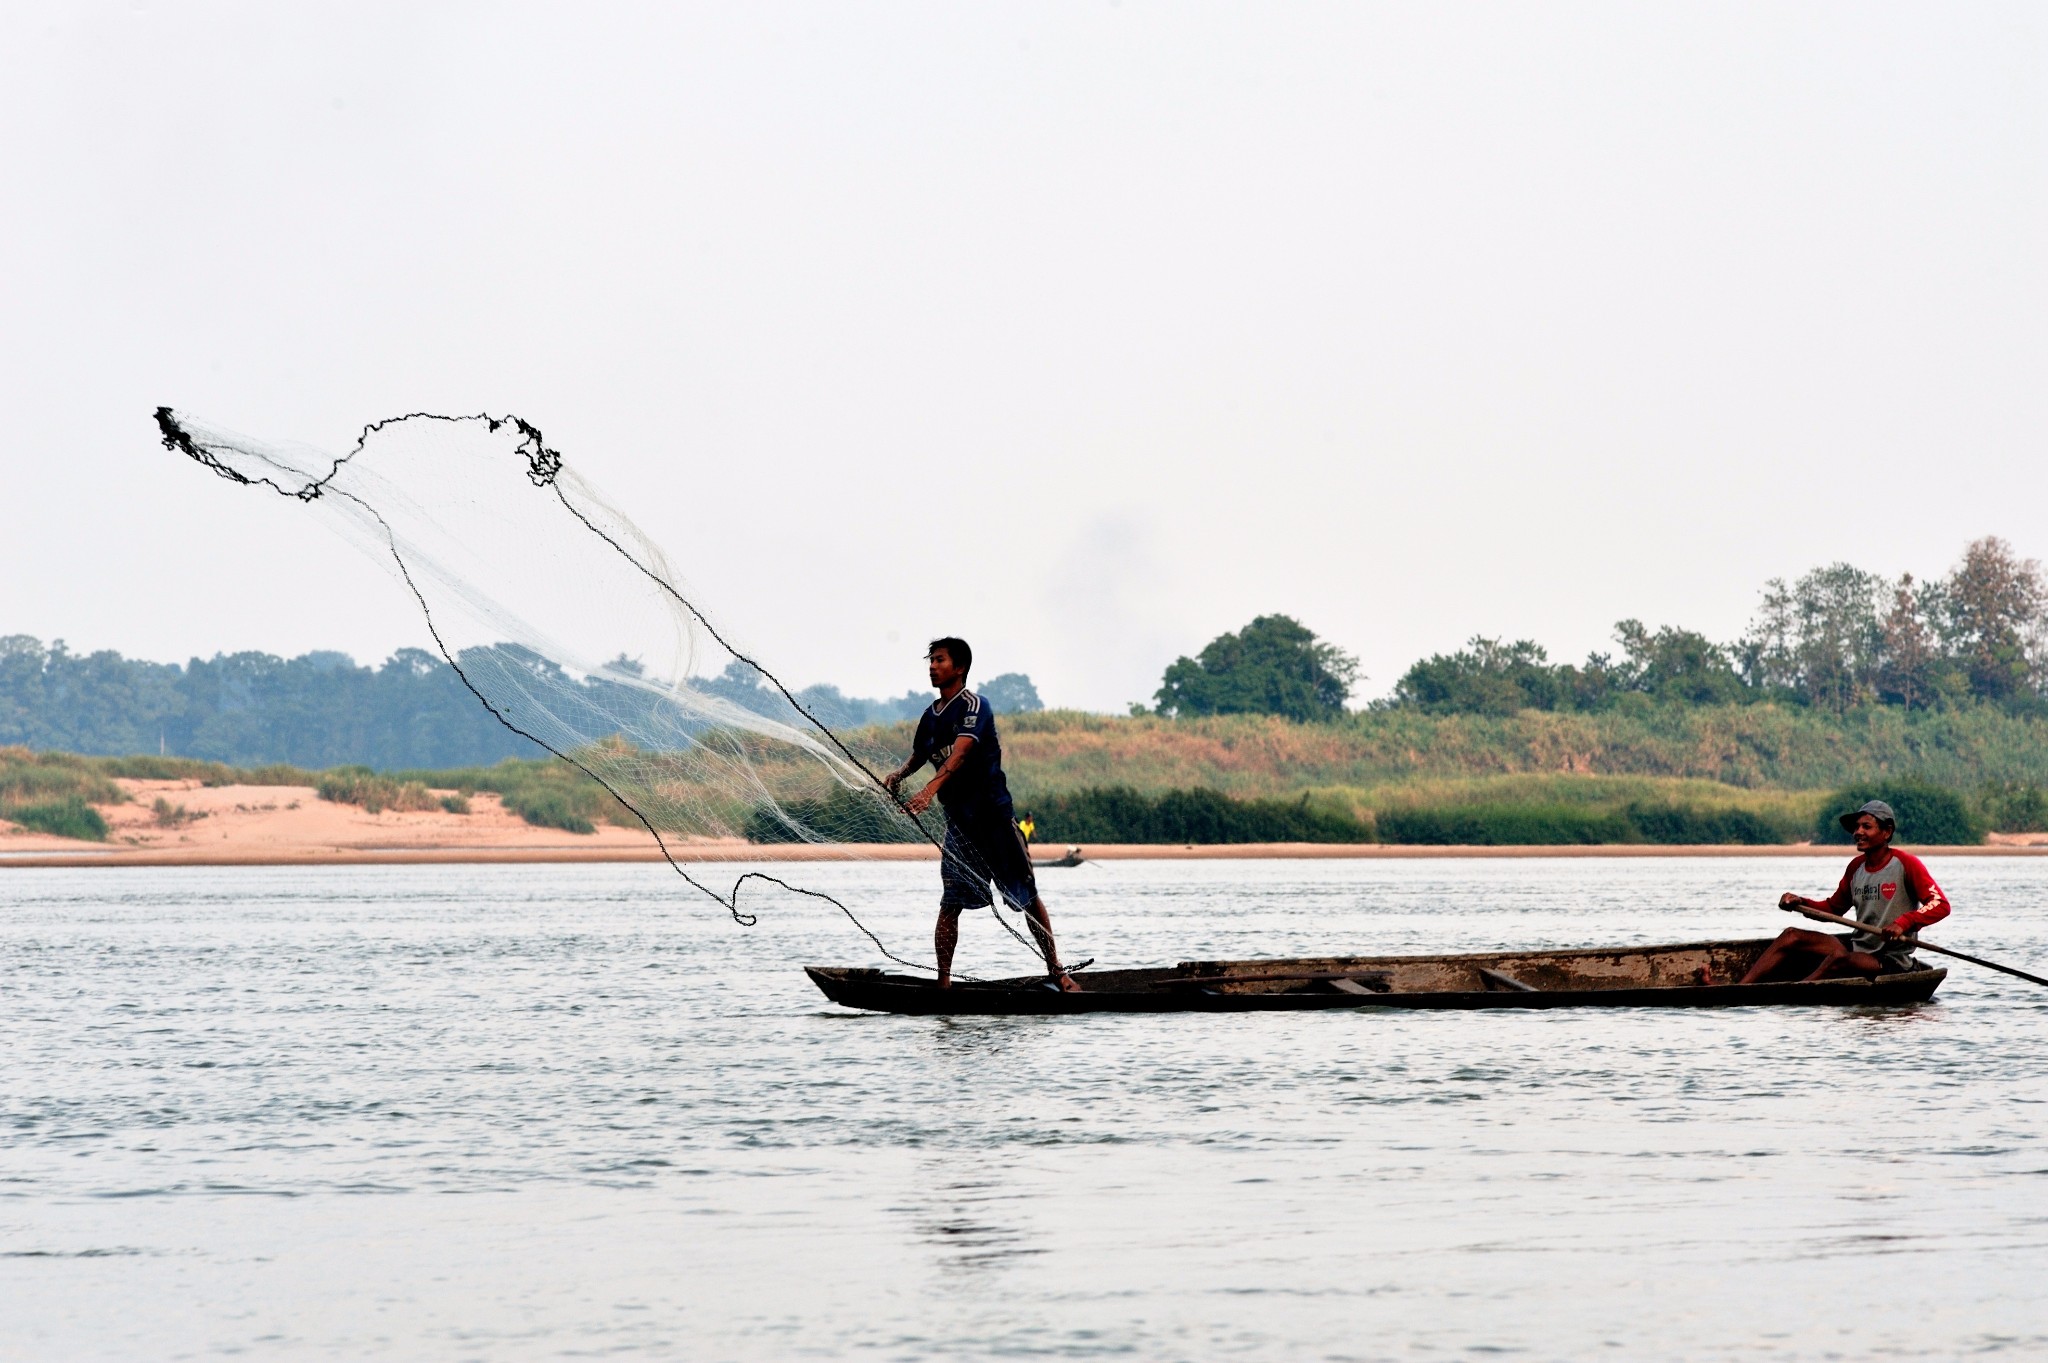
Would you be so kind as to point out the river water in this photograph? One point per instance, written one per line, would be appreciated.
(564, 1112)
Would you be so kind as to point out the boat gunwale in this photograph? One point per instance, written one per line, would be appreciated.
(1165, 989)
(1537, 954)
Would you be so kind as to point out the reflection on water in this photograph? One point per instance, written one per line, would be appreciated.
(536, 1112)
(970, 1224)
(969, 1215)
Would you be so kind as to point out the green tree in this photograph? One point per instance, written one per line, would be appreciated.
(1011, 693)
(1929, 815)
(1764, 653)
(1273, 666)
(1994, 610)
(1672, 664)
(1839, 634)
(1486, 677)
(1911, 669)
(1821, 638)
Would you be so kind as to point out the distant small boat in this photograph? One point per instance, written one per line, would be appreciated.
(1689, 975)
(1072, 858)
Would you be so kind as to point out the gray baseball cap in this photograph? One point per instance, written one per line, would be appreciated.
(1877, 809)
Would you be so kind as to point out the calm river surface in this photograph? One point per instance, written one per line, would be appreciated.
(560, 1112)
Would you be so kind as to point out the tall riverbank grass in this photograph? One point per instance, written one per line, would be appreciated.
(55, 793)
(549, 794)
(364, 788)
(1658, 773)
(1751, 747)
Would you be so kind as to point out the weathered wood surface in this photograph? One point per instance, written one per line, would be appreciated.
(1282, 976)
(1686, 975)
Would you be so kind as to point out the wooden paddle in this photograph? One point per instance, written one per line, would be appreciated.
(1824, 916)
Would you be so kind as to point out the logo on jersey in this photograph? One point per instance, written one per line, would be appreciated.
(1888, 889)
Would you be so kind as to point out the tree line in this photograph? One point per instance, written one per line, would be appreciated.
(1836, 639)
(322, 709)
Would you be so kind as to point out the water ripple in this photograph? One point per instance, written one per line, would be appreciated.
(529, 1112)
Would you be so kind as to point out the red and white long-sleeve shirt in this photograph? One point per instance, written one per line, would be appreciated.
(1899, 891)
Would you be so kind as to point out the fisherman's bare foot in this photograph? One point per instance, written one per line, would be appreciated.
(1067, 983)
(1703, 976)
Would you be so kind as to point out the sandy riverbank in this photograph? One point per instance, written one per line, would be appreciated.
(291, 826)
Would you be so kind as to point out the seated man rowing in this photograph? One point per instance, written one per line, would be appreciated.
(1888, 891)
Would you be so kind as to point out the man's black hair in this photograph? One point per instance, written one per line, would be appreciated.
(956, 649)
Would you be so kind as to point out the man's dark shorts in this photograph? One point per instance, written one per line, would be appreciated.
(1895, 959)
(980, 849)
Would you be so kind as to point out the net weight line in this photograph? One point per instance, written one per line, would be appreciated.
(544, 464)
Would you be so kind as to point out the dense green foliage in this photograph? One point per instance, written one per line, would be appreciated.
(1103, 814)
(32, 777)
(550, 807)
(2013, 807)
(1273, 666)
(1011, 693)
(1837, 639)
(841, 816)
(1759, 747)
(149, 767)
(55, 793)
(1928, 815)
(322, 710)
(1492, 678)
(361, 786)
(548, 793)
(1534, 824)
(70, 817)
(1682, 825)
(1121, 814)
(318, 710)
(1353, 795)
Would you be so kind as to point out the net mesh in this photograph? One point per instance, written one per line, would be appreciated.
(572, 628)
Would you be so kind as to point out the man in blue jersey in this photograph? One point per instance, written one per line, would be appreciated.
(958, 736)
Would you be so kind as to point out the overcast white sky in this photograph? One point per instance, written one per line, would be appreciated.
(1088, 331)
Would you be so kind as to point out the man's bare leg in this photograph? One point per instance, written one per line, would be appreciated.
(945, 937)
(1830, 954)
(1041, 928)
(1843, 961)
(1792, 941)
(1831, 957)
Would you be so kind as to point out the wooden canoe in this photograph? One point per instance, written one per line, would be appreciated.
(1628, 977)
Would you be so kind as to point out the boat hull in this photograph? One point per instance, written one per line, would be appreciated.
(1640, 977)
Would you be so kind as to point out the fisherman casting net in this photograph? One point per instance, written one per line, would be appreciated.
(569, 625)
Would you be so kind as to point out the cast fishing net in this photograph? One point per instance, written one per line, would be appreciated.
(571, 627)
